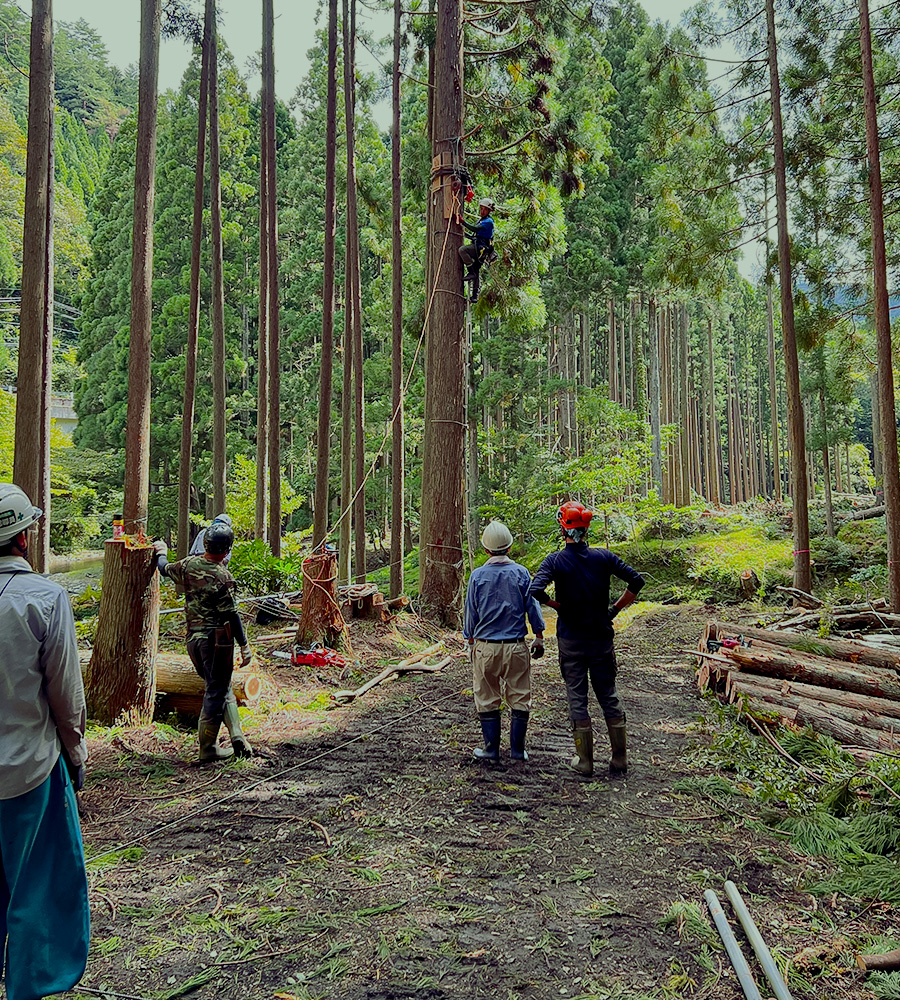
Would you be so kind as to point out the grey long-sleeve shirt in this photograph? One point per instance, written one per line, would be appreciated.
(41, 691)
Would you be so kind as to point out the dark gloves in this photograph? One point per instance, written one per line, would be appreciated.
(613, 611)
(537, 649)
(76, 774)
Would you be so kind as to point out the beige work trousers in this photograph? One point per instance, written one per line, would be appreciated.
(501, 670)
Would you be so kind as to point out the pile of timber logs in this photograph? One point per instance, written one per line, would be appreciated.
(840, 687)
(847, 620)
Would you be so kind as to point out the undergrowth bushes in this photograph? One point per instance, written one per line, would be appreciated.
(824, 802)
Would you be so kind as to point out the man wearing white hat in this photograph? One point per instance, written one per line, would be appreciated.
(198, 546)
(474, 254)
(44, 914)
(497, 605)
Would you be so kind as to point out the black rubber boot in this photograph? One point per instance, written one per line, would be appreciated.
(583, 734)
(517, 729)
(618, 765)
(208, 733)
(490, 728)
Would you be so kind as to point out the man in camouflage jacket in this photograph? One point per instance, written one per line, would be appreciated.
(213, 627)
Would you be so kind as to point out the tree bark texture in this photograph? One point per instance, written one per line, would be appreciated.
(354, 296)
(274, 300)
(655, 428)
(128, 623)
(888, 413)
(398, 461)
(121, 680)
(345, 528)
(190, 355)
(800, 493)
(441, 552)
(137, 430)
(31, 463)
(262, 375)
(320, 511)
(218, 282)
(321, 620)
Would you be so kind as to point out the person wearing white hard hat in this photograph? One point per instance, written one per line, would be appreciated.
(44, 913)
(198, 546)
(474, 254)
(497, 606)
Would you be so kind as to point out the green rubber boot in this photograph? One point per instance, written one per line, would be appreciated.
(207, 733)
(618, 765)
(233, 724)
(583, 734)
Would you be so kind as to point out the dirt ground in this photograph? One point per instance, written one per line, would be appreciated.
(367, 855)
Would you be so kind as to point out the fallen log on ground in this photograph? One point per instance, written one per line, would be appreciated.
(801, 596)
(884, 708)
(798, 666)
(408, 666)
(179, 682)
(825, 723)
(840, 649)
(886, 961)
(864, 515)
(740, 687)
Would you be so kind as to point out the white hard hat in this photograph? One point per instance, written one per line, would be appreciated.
(496, 537)
(223, 519)
(486, 203)
(17, 513)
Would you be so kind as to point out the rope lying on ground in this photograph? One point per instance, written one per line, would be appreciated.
(270, 777)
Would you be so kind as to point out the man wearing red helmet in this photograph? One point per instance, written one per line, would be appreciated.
(584, 631)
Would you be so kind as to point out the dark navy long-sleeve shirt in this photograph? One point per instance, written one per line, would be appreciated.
(581, 578)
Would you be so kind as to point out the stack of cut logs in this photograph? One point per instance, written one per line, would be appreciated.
(840, 687)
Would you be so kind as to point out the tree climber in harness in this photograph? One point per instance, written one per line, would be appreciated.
(584, 631)
(214, 625)
(481, 249)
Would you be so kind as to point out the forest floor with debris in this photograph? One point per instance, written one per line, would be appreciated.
(367, 855)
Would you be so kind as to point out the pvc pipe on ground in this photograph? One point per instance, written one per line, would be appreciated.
(742, 970)
(779, 987)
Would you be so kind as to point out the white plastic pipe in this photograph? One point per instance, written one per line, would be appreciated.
(742, 970)
(779, 987)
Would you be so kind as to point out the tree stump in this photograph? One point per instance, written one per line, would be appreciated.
(749, 583)
(121, 679)
(320, 613)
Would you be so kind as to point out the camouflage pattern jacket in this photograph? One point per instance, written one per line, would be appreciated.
(209, 588)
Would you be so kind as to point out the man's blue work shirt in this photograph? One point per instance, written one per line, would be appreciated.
(497, 601)
(483, 231)
(581, 578)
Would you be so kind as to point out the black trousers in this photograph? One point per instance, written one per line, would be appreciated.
(581, 660)
(212, 654)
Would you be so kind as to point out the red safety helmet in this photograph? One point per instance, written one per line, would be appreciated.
(574, 515)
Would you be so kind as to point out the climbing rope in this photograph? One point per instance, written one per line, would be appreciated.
(406, 384)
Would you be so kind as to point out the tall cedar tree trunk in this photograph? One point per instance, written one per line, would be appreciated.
(354, 299)
(612, 363)
(715, 452)
(876, 428)
(655, 432)
(320, 511)
(802, 571)
(121, 674)
(218, 281)
(440, 558)
(31, 467)
(398, 463)
(190, 355)
(274, 324)
(345, 528)
(262, 376)
(888, 416)
(773, 393)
